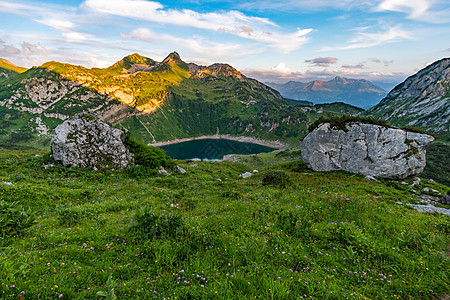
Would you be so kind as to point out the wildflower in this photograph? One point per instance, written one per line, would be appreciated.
(60, 296)
(22, 292)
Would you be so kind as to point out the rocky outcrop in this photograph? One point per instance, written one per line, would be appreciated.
(422, 100)
(367, 149)
(85, 141)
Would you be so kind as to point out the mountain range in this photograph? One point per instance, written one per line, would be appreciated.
(168, 100)
(155, 101)
(360, 93)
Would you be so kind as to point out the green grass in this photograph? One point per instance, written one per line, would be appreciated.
(216, 236)
(438, 163)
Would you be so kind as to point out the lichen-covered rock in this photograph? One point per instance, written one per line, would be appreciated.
(367, 149)
(85, 141)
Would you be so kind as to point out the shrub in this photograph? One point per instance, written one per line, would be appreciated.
(418, 130)
(147, 156)
(140, 172)
(340, 122)
(295, 166)
(276, 177)
(152, 226)
(14, 219)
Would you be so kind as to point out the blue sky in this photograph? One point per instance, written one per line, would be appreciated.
(278, 41)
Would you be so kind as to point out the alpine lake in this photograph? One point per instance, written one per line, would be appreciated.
(212, 149)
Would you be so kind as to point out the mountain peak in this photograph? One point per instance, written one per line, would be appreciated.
(339, 79)
(133, 63)
(173, 59)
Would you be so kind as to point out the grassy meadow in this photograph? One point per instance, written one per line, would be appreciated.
(209, 234)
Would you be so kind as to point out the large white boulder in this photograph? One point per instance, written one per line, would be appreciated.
(85, 141)
(367, 149)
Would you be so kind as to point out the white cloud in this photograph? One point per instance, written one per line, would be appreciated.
(215, 51)
(23, 54)
(433, 11)
(57, 23)
(364, 39)
(415, 8)
(231, 22)
(281, 67)
(317, 5)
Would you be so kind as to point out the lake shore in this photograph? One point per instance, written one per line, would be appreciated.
(243, 139)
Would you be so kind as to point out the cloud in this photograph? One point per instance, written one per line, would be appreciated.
(232, 22)
(415, 8)
(198, 45)
(365, 39)
(322, 61)
(24, 54)
(288, 5)
(25, 49)
(433, 11)
(281, 67)
(57, 23)
(378, 61)
(357, 66)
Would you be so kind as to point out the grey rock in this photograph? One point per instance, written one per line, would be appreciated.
(430, 209)
(8, 183)
(446, 199)
(367, 149)
(426, 190)
(415, 182)
(246, 175)
(180, 169)
(368, 177)
(85, 141)
(163, 171)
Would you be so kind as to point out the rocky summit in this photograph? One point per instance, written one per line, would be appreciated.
(367, 149)
(85, 141)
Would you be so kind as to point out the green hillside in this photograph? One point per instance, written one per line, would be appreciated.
(8, 69)
(155, 101)
(208, 234)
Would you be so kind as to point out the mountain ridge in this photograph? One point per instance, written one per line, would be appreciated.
(7, 68)
(422, 100)
(357, 92)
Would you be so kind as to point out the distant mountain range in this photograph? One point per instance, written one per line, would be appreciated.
(360, 93)
(422, 100)
(155, 101)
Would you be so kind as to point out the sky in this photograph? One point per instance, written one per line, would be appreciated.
(272, 41)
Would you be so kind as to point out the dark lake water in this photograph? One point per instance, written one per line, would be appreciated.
(212, 149)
